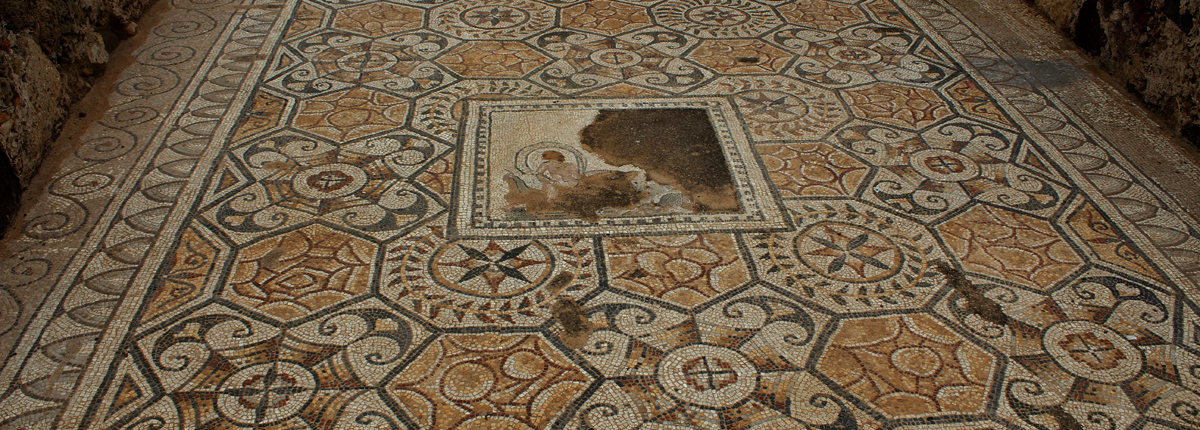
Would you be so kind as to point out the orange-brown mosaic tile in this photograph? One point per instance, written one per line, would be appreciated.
(607, 214)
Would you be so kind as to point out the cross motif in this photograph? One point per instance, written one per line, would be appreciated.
(945, 165)
(704, 375)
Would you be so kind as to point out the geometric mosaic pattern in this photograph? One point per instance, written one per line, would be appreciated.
(292, 221)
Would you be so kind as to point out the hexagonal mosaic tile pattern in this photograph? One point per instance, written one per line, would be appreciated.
(606, 214)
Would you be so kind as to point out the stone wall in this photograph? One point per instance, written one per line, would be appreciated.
(1151, 45)
(50, 52)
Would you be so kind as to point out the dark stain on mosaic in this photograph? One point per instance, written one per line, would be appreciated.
(676, 147)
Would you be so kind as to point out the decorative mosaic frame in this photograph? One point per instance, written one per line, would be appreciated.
(761, 210)
(55, 344)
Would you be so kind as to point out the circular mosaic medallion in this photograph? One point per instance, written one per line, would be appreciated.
(847, 252)
(366, 61)
(456, 283)
(854, 55)
(265, 393)
(490, 269)
(707, 375)
(851, 258)
(943, 165)
(771, 106)
(1092, 351)
(716, 15)
(615, 58)
(717, 18)
(328, 181)
(776, 108)
(493, 17)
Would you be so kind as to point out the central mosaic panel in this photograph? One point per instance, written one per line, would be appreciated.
(554, 167)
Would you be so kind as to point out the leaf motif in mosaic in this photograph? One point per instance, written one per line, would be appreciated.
(364, 185)
(973, 102)
(265, 112)
(642, 58)
(1103, 342)
(307, 18)
(737, 361)
(397, 63)
(492, 19)
(441, 112)
(938, 171)
(716, 18)
(187, 273)
(861, 55)
(473, 282)
(778, 108)
(850, 257)
(887, 13)
(220, 369)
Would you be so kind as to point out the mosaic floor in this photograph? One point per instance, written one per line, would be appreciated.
(656, 214)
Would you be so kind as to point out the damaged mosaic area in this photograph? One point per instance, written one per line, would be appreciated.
(605, 214)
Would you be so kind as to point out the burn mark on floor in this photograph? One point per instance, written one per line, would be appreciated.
(675, 147)
(573, 319)
(977, 303)
(605, 190)
(559, 282)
